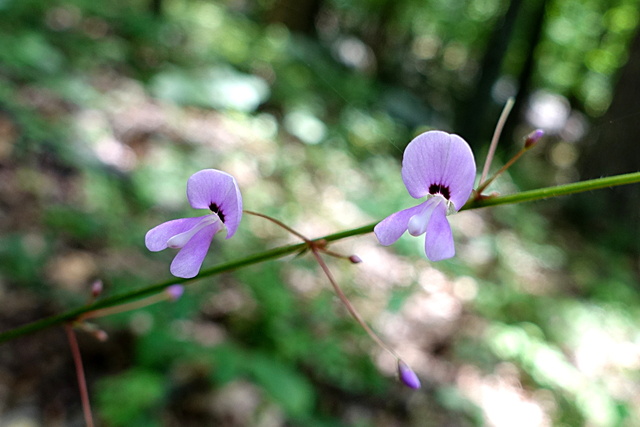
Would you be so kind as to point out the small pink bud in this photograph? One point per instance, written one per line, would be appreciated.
(96, 288)
(407, 376)
(355, 259)
(533, 138)
(100, 335)
(175, 292)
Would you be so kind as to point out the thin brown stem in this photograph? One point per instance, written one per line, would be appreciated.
(319, 244)
(279, 223)
(496, 137)
(500, 171)
(352, 310)
(82, 382)
(316, 246)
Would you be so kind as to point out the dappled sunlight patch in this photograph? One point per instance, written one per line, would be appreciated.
(304, 282)
(71, 270)
(465, 288)
(470, 225)
(605, 346)
(548, 366)
(436, 310)
(503, 401)
(384, 268)
(243, 403)
(219, 87)
(93, 127)
(529, 268)
(207, 334)
(305, 126)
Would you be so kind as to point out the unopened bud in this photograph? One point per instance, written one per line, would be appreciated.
(355, 259)
(175, 292)
(533, 138)
(93, 330)
(100, 335)
(96, 288)
(407, 376)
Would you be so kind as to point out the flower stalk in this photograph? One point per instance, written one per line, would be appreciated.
(529, 143)
(320, 245)
(82, 382)
(279, 252)
(496, 137)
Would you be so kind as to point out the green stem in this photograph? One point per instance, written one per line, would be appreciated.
(560, 190)
(282, 251)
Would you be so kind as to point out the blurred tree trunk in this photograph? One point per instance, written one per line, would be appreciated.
(535, 17)
(384, 39)
(156, 7)
(615, 149)
(297, 15)
(472, 122)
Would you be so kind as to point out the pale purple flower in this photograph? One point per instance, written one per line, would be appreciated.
(440, 167)
(208, 189)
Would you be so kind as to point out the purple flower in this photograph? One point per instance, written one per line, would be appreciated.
(208, 189)
(441, 167)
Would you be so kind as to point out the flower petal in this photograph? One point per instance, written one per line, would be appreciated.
(460, 171)
(181, 239)
(419, 222)
(210, 186)
(438, 243)
(392, 227)
(188, 261)
(156, 239)
(436, 157)
(423, 162)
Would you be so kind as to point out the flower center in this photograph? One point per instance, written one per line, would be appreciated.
(440, 189)
(216, 210)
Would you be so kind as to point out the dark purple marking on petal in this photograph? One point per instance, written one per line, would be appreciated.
(216, 210)
(440, 189)
(435, 160)
(211, 188)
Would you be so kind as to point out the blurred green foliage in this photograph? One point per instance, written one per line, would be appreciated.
(106, 109)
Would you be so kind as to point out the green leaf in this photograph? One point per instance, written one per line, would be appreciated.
(126, 399)
(284, 384)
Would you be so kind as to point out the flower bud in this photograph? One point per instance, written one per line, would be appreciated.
(355, 259)
(96, 288)
(533, 138)
(407, 376)
(174, 292)
(100, 335)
